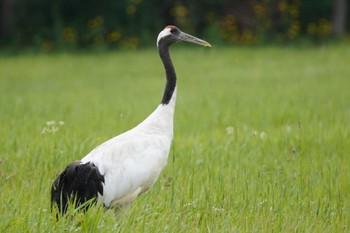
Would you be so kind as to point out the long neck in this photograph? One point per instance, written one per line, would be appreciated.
(170, 73)
(161, 120)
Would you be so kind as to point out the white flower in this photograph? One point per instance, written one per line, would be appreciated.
(263, 135)
(288, 128)
(52, 127)
(218, 209)
(230, 130)
(44, 130)
(49, 123)
(263, 202)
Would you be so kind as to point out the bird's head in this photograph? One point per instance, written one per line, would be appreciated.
(172, 34)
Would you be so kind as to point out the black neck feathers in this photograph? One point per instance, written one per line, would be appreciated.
(169, 71)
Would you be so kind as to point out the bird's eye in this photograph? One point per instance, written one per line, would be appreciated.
(173, 30)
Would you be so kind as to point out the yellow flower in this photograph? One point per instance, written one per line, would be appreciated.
(70, 34)
(114, 36)
(130, 10)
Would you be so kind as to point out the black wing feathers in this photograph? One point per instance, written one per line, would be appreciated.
(77, 183)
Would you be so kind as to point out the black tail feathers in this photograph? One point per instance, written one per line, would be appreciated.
(77, 184)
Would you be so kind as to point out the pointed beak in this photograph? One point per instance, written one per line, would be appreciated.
(191, 39)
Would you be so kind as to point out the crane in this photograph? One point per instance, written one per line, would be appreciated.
(122, 168)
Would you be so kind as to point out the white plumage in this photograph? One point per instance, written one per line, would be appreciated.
(122, 168)
(132, 161)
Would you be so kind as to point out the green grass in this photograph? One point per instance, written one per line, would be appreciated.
(261, 137)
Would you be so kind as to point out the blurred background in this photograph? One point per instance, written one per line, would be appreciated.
(89, 24)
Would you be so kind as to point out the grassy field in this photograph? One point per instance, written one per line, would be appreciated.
(262, 137)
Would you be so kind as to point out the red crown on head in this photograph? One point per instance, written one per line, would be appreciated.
(170, 26)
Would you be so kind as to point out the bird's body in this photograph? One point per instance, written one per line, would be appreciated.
(132, 161)
(122, 168)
